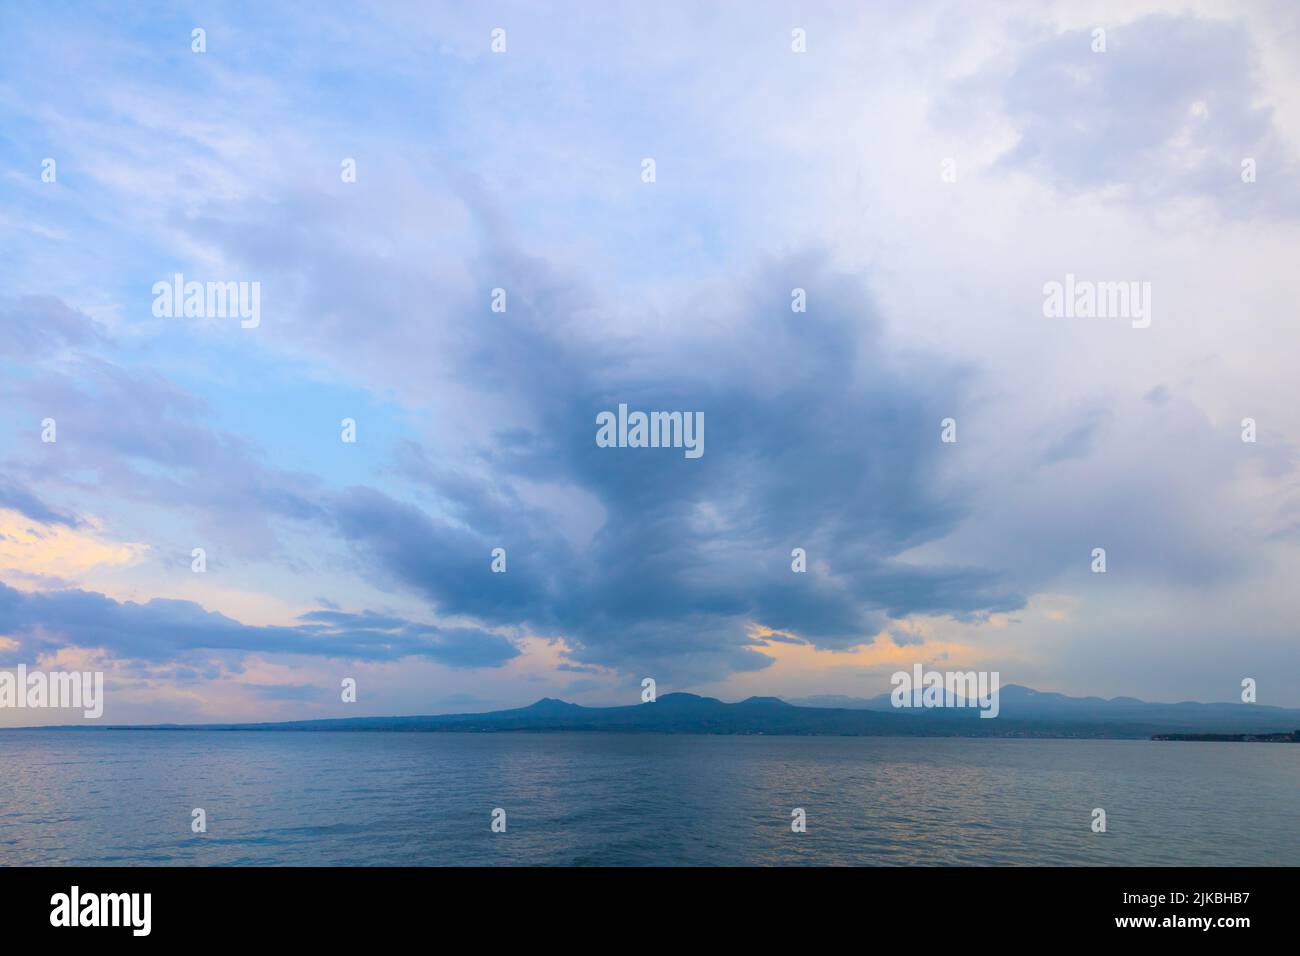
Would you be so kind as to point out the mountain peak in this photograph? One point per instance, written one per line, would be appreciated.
(682, 698)
(551, 705)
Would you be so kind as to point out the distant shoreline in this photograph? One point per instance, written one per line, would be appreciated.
(1293, 737)
(1024, 714)
(1283, 738)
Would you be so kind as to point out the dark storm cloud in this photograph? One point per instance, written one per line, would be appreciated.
(816, 437)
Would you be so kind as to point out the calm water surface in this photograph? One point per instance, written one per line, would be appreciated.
(124, 797)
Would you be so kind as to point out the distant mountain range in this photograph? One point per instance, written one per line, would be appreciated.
(1023, 713)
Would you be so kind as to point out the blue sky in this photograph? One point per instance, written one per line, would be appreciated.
(522, 170)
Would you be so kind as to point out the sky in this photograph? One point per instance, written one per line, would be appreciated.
(921, 171)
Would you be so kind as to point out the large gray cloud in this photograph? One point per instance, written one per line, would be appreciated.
(817, 436)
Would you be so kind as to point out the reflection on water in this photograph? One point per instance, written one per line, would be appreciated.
(125, 797)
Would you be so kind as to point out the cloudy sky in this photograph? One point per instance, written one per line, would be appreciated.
(922, 171)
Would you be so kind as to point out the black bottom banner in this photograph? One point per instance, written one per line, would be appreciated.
(178, 905)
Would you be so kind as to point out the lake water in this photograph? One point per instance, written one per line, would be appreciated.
(125, 797)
